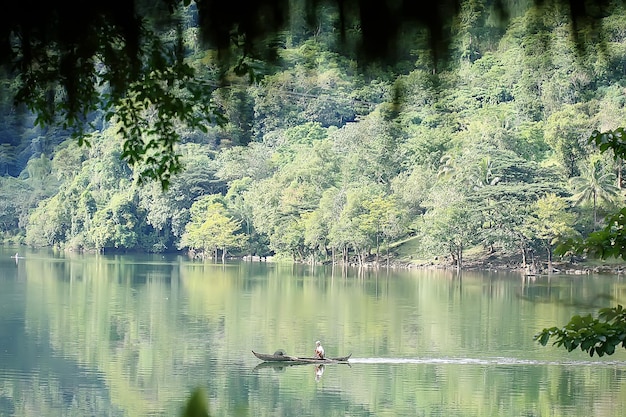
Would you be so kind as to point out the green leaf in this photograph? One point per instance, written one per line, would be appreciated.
(196, 405)
(610, 349)
(543, 337)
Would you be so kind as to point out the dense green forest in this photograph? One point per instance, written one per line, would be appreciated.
(317, 159)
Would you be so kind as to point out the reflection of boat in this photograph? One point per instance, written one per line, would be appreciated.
(281, 358)
(281, 366)
(278, 366)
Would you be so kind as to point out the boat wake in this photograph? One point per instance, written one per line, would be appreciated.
(485, 361)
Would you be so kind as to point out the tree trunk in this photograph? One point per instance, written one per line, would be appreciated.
(549, 260)
(377, 247)
(387, 255)
(249, 237)
(223, 255)
(595, 211)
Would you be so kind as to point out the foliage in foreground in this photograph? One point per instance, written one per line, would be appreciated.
(196, 405)
(609, 242)
(603, 334)
(593, 335)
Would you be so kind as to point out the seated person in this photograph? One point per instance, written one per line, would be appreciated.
(319, 350)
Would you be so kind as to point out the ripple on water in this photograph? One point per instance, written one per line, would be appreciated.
(486, 361)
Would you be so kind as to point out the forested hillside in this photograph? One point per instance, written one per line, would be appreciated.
(317, 160)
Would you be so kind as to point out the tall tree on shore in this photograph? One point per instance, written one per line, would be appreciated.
(211, 229)
(550, 222)
(596, 184)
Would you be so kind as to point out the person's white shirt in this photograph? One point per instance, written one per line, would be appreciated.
(319, 350)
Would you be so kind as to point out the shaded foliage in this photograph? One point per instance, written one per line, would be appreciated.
(593, 335)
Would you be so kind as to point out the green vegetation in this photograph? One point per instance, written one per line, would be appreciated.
(210, 229)
(603, 334)
(593, 335)
(272, 138)
(324, 160)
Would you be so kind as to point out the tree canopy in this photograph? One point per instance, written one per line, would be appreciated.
(72, 58)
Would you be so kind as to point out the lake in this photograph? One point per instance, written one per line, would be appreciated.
(111, 335)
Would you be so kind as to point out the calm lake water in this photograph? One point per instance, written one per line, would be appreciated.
(87, 335)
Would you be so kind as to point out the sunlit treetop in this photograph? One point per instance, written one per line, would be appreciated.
(73, 57)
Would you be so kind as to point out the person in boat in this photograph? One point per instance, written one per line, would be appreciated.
(319, 350)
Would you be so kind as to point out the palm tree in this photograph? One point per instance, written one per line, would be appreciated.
(595, 184)
(483, 175)
(447, 169)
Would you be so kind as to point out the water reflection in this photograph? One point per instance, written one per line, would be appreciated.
(127, 336)
(319, 371)
(282, 367)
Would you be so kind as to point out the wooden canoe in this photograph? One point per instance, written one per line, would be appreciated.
(296, 359)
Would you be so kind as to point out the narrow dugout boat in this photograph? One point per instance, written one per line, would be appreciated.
(280, 356)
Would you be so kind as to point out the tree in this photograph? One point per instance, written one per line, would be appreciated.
(611, 240)
(7, 157)
(594, 185)
(450, 230)
(48, 224)
(321, 224)
(118, 225)
(550, 223)
(370, 148)
(450, 224)
(483, 174)
(504, 227)
(315, 234)
(240, 207)
(252, 161)
(566, 131)
(315, 87)
(382, 218)
(353, 219)
(596, 335)
(211, 229)
(14, 204)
